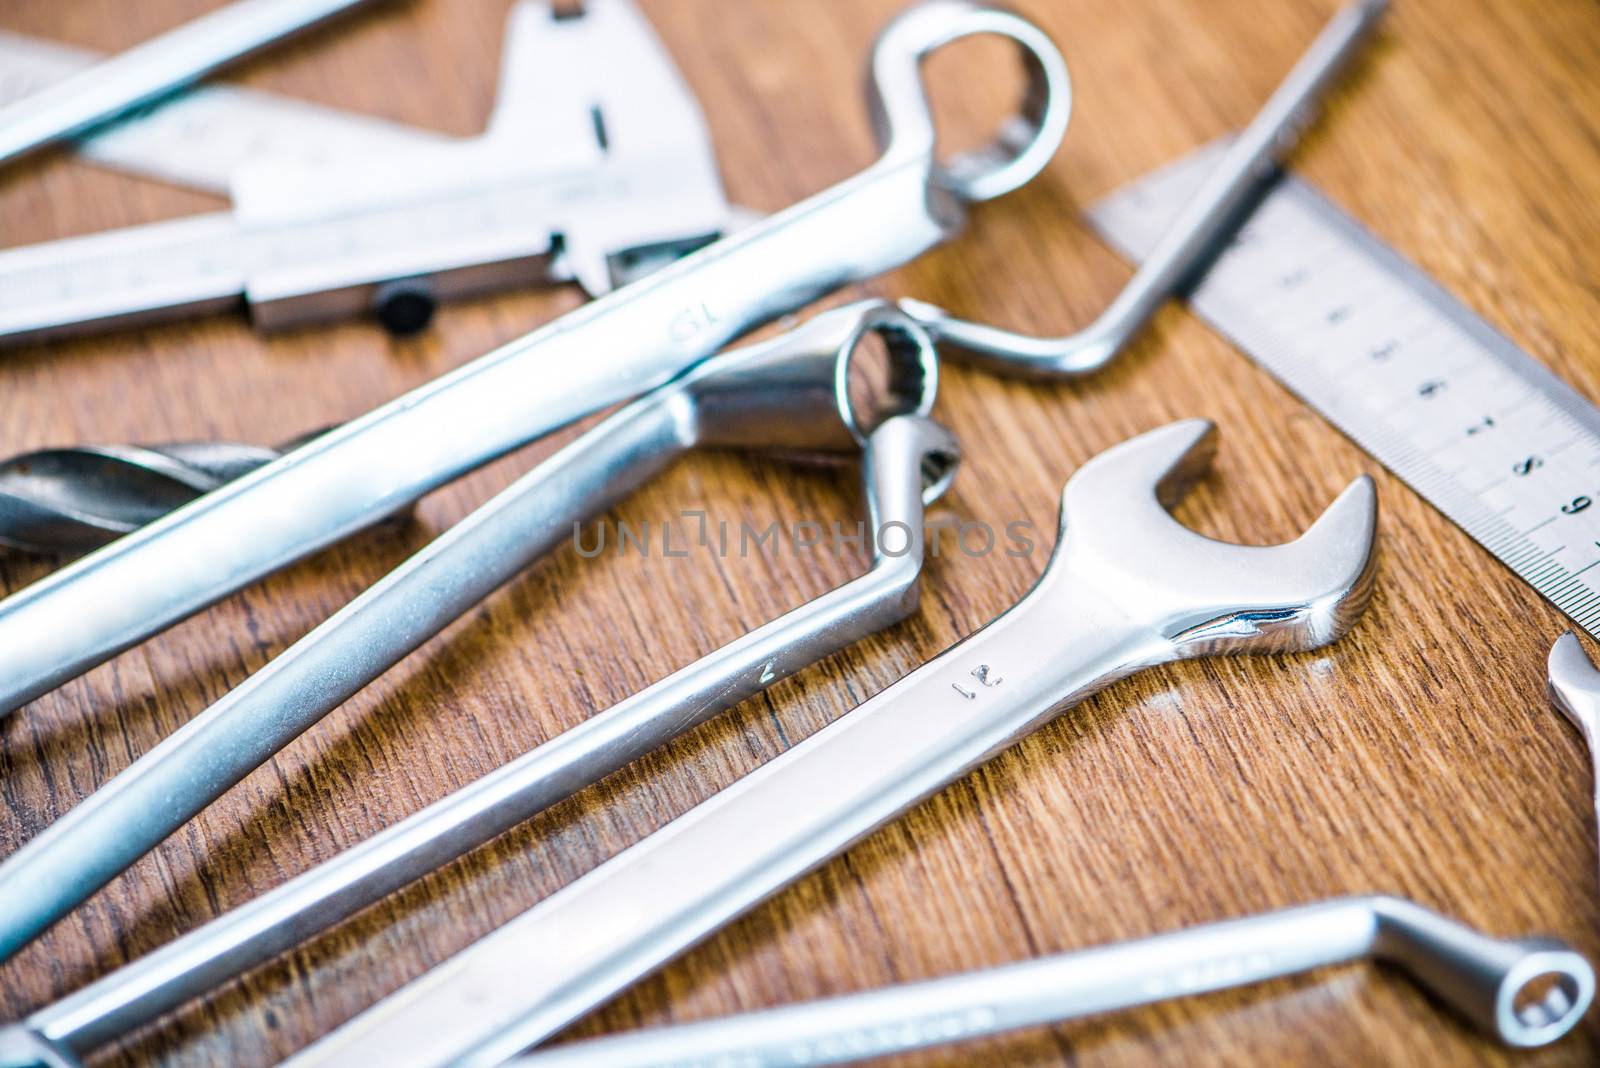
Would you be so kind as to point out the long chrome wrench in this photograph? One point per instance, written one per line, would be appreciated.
(158, 66)
(1126, 588)
(1484, 979)
(618, 346)
(788, 393)
(1207, 220)
(907, 463)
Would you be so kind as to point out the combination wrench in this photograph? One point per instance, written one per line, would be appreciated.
(907, 463)
(790, 393)
(1126, 588)
(1525, 993)
(626, 342)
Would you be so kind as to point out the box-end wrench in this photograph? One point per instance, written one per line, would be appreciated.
(1206, 223)
(790, 393)
(1525, 993)
(622, 344)
(1126, 588)
(907, 464)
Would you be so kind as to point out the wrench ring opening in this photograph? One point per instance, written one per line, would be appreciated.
(912, 372)
(903, 121)
(1542, 997)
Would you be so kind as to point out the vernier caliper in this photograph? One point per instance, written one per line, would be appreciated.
(596, 166)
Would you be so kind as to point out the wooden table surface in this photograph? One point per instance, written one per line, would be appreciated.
(1419, 756)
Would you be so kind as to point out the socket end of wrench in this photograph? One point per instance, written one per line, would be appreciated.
(1205, 596)
(1574, 683)
(1526, 992)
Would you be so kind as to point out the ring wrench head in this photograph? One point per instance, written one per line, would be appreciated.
(1527, 992)
(1204, 596)
(794, 393)
(903, 121)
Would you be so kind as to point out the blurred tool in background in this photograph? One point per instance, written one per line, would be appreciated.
(152, 69)
(596, 167)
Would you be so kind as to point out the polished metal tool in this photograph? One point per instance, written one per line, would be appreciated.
(789, 393)
(596, 166)
(1208, 218)
(76, 498)
(907, 463)
(1575, 689)
(1126, 588)
(1474, 424)
(1525, 993)
(619, 346)
(152, 69)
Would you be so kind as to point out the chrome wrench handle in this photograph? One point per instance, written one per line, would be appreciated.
(900, 457)
(1481, 977)
(154, 68)
(1126, 588)
(631, 340)
(789, 393)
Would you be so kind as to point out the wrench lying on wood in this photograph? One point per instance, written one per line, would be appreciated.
(790, 393)
(908, 462)
(1481, 977)
(631, 340)
(1126, 588)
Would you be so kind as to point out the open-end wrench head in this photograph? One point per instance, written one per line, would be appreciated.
(1575, 684)
(1204, 596)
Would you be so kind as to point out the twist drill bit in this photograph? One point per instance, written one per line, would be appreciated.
(66, 501)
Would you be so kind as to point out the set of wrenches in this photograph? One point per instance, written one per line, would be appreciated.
(173, 528)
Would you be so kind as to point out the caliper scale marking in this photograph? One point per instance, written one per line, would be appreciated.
(1481, 430)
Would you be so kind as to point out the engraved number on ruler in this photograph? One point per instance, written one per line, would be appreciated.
(1471, 422)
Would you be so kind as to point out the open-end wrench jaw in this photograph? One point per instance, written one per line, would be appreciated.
(1196, 595)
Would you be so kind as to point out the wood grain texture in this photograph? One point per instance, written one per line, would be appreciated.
(1418, 757)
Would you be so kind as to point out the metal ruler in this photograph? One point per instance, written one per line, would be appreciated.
(1481, 430)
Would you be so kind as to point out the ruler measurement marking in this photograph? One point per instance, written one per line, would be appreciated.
(1475, 425)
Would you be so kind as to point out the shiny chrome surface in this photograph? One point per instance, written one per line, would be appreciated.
(1574, 686)
(154, 68)
(1482, 978)
(908, 461)
(1127, 587)
(75, 498)
(789, 393)
(1206, 223)
(617, 347)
